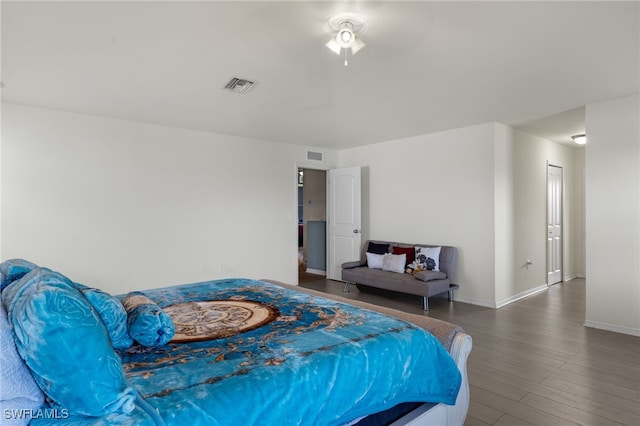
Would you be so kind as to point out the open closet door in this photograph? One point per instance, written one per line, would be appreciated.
(345, 229)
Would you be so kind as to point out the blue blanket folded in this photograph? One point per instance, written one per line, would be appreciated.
(66, 346)
(112, 314)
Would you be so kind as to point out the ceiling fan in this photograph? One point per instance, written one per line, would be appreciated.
(348, 27)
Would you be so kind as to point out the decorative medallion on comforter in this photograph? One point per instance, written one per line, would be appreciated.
(251, 353)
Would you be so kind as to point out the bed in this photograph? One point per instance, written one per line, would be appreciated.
(258, 353)
(452, 337)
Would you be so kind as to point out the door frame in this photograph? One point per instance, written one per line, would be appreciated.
(561, 220)
(295, 188)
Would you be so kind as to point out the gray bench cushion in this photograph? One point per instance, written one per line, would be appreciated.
(430, 275)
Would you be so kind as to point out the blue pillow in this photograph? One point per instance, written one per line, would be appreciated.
(18, 390)
(66, 346)
(112, 313)
(13, 269)
(148, 324)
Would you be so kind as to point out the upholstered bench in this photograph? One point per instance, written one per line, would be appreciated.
(426, 270)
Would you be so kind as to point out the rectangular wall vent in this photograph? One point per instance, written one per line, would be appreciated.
(314, 156)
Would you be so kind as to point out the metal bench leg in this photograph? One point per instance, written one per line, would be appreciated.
(346, 287)
(425, 303)
(452, 288)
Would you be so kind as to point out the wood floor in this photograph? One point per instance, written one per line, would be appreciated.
(533, 362)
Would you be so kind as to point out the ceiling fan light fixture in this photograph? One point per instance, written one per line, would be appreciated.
(345, 36)
(334, 46)
(347, 27)
(357, 45)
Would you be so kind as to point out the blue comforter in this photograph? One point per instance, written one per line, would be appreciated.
(251, 353)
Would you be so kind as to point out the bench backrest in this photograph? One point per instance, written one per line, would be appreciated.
(448, 254)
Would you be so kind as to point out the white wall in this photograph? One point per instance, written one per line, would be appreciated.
(613, 215)
(314, 199)
(121, 205)
(578, 228)
(435, 189)
(504, 220)
(530, 157)
(1, 173)
(480, 188)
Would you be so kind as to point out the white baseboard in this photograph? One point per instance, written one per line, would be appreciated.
(573, 276)
(612, 327)
(503, 302)
(316, 272)
(521, 295)
(483, 303)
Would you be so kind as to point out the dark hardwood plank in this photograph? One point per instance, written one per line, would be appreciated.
(566, 412)
(596, 395)
(480, 414)
(508, 420)
(533, 415)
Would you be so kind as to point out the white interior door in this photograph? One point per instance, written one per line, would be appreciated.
(554, 224)
(344, 225)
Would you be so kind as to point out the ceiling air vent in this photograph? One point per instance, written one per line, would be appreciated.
(314, 156)
(239, 85)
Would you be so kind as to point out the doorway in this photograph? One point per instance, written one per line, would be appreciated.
(312, 224)
(554, 223)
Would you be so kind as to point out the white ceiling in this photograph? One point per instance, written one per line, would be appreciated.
(427, 66)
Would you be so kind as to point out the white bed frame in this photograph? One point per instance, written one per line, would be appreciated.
(426, 414)
(441, 414)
